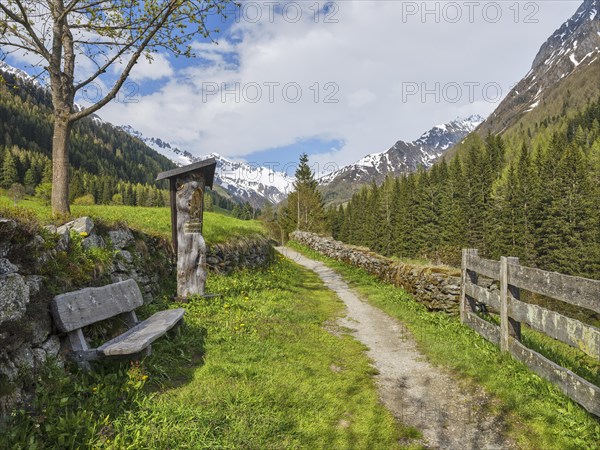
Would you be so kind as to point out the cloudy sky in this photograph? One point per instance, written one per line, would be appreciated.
(338, 80)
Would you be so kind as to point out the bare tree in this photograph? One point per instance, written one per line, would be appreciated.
(109, 34)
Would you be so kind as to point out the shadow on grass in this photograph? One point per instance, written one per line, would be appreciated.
(175, 360)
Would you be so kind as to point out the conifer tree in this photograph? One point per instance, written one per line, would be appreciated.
(341, 217)
(29, 180)
(386, 217)
(373, 220)
(47, 172)
(344, 235)
(75, 187)
(9, 170)
(405, 241)
(304, 209)
(452, 213)
(477, 171)
(527, 187)
(106, 196)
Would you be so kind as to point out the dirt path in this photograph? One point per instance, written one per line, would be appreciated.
(416, 392)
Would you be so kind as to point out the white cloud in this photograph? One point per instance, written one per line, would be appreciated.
(373, 60)
(155, 69)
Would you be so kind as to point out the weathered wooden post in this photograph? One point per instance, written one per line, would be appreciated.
(508, 326)
(466, 303)
(187, 185)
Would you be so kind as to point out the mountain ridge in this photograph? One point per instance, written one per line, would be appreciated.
(572, 49)
(403, 157)
(244, 182)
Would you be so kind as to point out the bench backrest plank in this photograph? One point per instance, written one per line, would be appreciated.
(78, 309)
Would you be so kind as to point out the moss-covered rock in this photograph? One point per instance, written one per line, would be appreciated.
(14, 296)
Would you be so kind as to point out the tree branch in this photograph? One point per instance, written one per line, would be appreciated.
(169, 9)
(42, 50)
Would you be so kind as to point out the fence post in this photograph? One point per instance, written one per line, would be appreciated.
(508, 326)
(466, 275)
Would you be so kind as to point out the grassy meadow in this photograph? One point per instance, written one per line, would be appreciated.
(255, 368)
(538, 414)
(218, 226)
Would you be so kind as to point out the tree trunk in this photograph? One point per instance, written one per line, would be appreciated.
(60, 166)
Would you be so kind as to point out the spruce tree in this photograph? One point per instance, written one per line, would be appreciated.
(29, 181)
(452, 213)
(344, 235)
(386, 217)
(304, 209)
(405, 239)
(527, 187)
(373, 221)
(9, 170)
(106, 196)
(47, 172)
(75, 187)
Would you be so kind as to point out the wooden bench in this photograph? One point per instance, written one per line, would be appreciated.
(74, 310)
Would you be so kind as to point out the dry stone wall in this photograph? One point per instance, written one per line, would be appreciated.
(438, 288)
(240, 253)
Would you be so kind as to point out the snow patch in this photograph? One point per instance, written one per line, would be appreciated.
(573, 60)
(533, 106)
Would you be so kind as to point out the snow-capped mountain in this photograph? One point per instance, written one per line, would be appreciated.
(403, 157)
(442, 137)
(251, 182)
(244, 182)
(18, 73)
(179, 157)
(573, 49)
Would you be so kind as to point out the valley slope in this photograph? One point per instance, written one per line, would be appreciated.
(563, 79)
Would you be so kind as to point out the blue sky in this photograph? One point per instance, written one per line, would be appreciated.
(338, 80)
(278, 157)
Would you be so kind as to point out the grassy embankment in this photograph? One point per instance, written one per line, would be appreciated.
(218, 227)
(255, 368)
(539, 415)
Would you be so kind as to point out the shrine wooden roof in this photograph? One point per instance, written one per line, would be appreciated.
(206, 167)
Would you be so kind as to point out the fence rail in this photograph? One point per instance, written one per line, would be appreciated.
(513, 277)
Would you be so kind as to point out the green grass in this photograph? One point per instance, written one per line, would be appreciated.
(218, 227)
(255, 369)
(539, 416)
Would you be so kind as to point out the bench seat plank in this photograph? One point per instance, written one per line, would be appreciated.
(143, 334)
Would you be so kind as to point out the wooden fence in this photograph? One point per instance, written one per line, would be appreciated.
(577, 291)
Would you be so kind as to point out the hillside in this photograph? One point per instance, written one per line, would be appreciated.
(562, 80)
(571, 51)
(97, 147)
(106, 160)
(564, 77)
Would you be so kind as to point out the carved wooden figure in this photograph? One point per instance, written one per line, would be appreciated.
(187, 186)
(191, 248)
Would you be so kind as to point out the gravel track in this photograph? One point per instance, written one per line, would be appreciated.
(418, 393)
